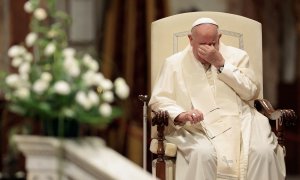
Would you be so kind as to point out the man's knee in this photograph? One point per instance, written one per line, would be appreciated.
(204, 154)
(264, 151)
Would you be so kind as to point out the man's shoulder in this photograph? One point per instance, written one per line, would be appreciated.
(177, 57)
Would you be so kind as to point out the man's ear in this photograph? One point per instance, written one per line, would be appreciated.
(190, 37)
(220, 35)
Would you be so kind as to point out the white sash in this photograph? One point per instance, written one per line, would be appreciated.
(222, 127)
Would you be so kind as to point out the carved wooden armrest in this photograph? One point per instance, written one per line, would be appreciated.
(160, 119)
(283, 117)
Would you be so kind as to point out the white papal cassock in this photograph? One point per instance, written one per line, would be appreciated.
(234, 141)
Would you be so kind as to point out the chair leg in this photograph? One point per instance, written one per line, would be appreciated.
(161, 170)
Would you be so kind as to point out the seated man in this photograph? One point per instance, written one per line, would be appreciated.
(206, 89)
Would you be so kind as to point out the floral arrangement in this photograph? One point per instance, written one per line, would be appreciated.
(52, 81)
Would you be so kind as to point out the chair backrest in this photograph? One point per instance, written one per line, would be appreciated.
(169, 35)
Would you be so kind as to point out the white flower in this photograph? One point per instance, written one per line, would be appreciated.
(87, 100)
(105, 109)
(40, 14)
(24, 68)
(90, 62)
(93, 97)
(22, 93)
(16, 62)
(74, 70)
(50, 49)
(106, 84)
(123, 92)
(68, 112)
(83, 100)
(98, 78)
(108, 96)
(62, 88)
(28, 56)
(87, 77)
(17, 81)
(15, 51)
(69, 52)
(30, 39)
(24, 77)
(22, 50)
(40, 86)
(69, 60)
(12, 80)
(121, 88)
(46, 76)
(52, 33)
(119, 81)
(87, 58)
(72, 67)
(93, 65)
(28, 7)
(91, 78)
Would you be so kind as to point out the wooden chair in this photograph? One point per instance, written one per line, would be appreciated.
(169, 35)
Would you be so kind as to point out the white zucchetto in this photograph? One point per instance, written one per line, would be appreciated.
(204, 21)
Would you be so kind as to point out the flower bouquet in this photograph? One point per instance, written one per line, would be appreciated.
(51, 81)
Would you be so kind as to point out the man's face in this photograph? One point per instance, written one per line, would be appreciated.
(205, 34)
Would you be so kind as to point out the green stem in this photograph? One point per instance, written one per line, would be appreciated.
(61, 147)
(61, 127)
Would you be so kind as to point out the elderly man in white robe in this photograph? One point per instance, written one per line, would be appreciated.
(206, 89)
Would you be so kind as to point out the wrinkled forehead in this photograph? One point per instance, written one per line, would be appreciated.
(205, 31)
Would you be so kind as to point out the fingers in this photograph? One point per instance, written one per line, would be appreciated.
(195, 116)
(211, 55)
(206, 52)
(206, 48)
(203, 50)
